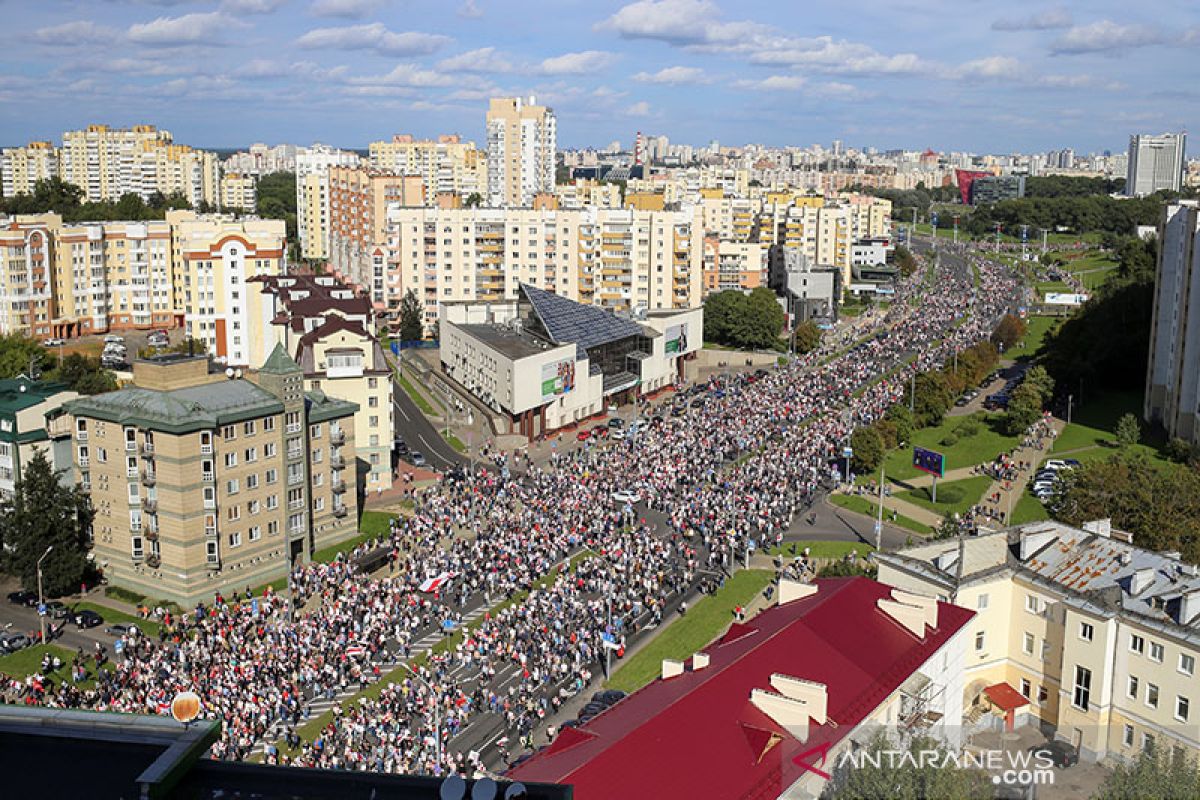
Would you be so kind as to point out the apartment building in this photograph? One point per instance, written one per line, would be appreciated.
(358, 203)
(1173, 372)
(447, 165)
(328, 327)
(618, 259)
(1155, 163)
(734, 265)
(22, 167)
(312, 196)
(26, 270)
(239, 190)
(179, 169)
(31, 419)
(1093, 637)
(825, 232)
(584, 193)
(203, 483)
(215, 256)
(521, 146)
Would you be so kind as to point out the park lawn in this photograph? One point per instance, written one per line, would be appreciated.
(28, 661)
(821, 548)
(1029, 509)
(953, 497)
(113, 616)
(454, 442)
(1038, 328)
(966, 452)
(1045, 287)
(861, 505)
(690, 633)
(1093, 423)
(372, 525)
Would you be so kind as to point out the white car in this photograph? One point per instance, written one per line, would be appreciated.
(1054, 464)
(626, 496)
(53, 343)
(112, 338)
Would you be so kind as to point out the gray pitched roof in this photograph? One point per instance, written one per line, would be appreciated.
(568, 322)
(181, 410)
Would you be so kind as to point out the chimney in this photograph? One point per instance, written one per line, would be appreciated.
(913, 611)
(1100, 527)
(671, 668)
(699, 661)
(1189, 607)
(1141, 579)
(815, 696)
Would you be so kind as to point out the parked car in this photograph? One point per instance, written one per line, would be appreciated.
(583, 435)
(53, 342)
(1062, 754)
(417, 458)
(23, 597)
(616, 422)
(401, 447)
(1055, 464)
(112, 338)
(626, 496)
(56, 609)
(88, 619)
(12, 642)
(608, 696)
(123, 629)
(617, 434)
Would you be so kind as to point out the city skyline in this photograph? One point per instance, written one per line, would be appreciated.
(346, 72)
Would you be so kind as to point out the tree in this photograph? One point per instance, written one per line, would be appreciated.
(1128, 431)
(905, 261)
(1037, 377)
(847, 569)
(933, 398)
(474, 200)
(1024, 409)
(1010, 331)
(807, 336)
(899, 415)
(42, 513)
(721, 310)
(911, 776)
(18, 351)
(868, 449)
(1156, 774)
(82, 374)
(761, 322)
(276, 199)
(412, 317)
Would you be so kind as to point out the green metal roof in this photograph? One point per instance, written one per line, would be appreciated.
(184, 410)
(279, 362)
(19, 393)
(322, 407)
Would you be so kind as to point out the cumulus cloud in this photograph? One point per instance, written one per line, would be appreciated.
(351, 9)
(672, 76)
(1041, 21)
(484, 59)
(675, 21)
(639, 109)
(188, 29)
(826, 54)
(374, 37)
(70, 34)
(470, 10)
(577, 63)
(410, 75)
(251, 6)
(1105, 36)
(775, 83)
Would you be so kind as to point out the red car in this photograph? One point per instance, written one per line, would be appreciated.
(600, 431)
(583, 436)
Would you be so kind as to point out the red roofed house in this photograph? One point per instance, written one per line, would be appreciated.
(767, 710)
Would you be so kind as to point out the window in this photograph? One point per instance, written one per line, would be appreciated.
(101, 455)
(272, 475)
(982, 602)
(979, 640)
(251, 455)
(268, 423)
(1031, 604)
(1187, 664)
(248, 428)
(1127, 736)
(234, 513)
(1086, 631)
(1043, 693)
(1156, 652)
(252, 481)
(1026, 687)
(1147, 741)
(231, 459)
(252, 507)
(1083, 688)
(138, 551)
(1132, 690)
(1027, 644)
(272, 502)
(235, 539)
(255, 533)
(1137, 644)
(314, 431)
(373, 402)
(272, 527)
(229, 432)
(269, 450)
(319, 504)
(1045, 650)
(1181, 708)
(1151, 695)
(232, 486)
(372, 383)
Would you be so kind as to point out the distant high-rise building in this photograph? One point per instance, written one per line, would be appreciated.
(447, 165)
(1155, 163)
(22, 167)
(1173, 373)
(108, 163)
(522, 141)
(312, 196)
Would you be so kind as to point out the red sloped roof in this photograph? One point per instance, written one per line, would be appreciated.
(698, 735)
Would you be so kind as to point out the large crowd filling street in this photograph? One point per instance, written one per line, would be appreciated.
(737, 467)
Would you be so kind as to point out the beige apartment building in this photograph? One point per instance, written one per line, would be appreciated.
(358, 205)
(203, 483)
(26, 276)
(1098, 639)
(825, 233)
(312, 196)
(618, 259)
(447, 165)
(239, 190)
(22, 167)
(521, 146)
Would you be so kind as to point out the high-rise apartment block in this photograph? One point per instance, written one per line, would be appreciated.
(26, 277)
(22, 167)
(447, 165)
(312, 196)
(1173, 373)
(618, 259)
(521, 145)
(203, 483)
(1155, 163)
(239, 190)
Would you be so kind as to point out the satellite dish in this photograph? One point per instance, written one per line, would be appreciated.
(229, 372)
(185, 707)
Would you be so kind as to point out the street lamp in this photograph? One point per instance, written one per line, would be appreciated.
(437, 725)
(41, 600)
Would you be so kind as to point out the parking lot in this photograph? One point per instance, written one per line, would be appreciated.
(22, 619)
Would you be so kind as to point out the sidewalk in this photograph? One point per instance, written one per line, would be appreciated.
(1011, 491)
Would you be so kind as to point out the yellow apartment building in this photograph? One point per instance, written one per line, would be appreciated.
(22, 167)
(446, 165)
(521, 147)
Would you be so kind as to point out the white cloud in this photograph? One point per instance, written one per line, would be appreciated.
(992, 67)
(189, 29)
(70, 34)
(826, 54)
(638, 109)
(373, 37)
(775, 83)
(1105, 36)
(1041, 21)
(251, 6)
(264, 68)
(470, 10)
(577, 63)
(675, 21)
(484, 59)
(673, 76)
(352, 9)
(406, 75)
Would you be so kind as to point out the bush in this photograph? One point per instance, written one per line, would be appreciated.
(1178, 450)
(950, 439)
(968, 428)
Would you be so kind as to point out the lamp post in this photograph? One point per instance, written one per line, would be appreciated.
(437, 725)
(41, 600)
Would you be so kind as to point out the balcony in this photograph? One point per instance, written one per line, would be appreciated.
(295, 478)
(130, 446)
(149, 478)
(210, 530)
(81, 436)
(337, 437)
(206, 449)
(336, 461)
(152, 534)
(339, 511)
(148, 449)
(149, 505)
(338, 486)
(154, 561)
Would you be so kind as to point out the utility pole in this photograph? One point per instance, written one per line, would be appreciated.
(41, 598)
(1070, 404)
(912, 392)
(879, 511)
(956, 229)
(1045, 239)
(998, 227)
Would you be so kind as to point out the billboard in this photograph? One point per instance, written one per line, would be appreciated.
(676, 339)
(1065, 299)
(558, 377)
(929, 461)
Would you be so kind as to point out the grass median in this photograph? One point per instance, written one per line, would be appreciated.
(964, 441)
(861, 505)
(953, 497)
(416, 396)
(819, 548)
(687, 634)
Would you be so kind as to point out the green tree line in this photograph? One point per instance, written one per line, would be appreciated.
(66, 199)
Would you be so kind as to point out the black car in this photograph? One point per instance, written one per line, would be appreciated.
(88, 619)
(57, 609)
(616, 422)
(400, 446)
(590, 710)
(1062, 754)
(608, 696)
(23, 597)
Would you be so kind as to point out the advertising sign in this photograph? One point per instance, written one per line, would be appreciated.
(558, 378)
(929, 461)
(676, 339)
(1065, 299)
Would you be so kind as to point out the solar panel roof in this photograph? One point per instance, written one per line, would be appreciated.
(569, 322)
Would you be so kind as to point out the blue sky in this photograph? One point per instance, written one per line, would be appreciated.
(965, 75)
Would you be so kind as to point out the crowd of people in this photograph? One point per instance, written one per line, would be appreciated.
(715, 480)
